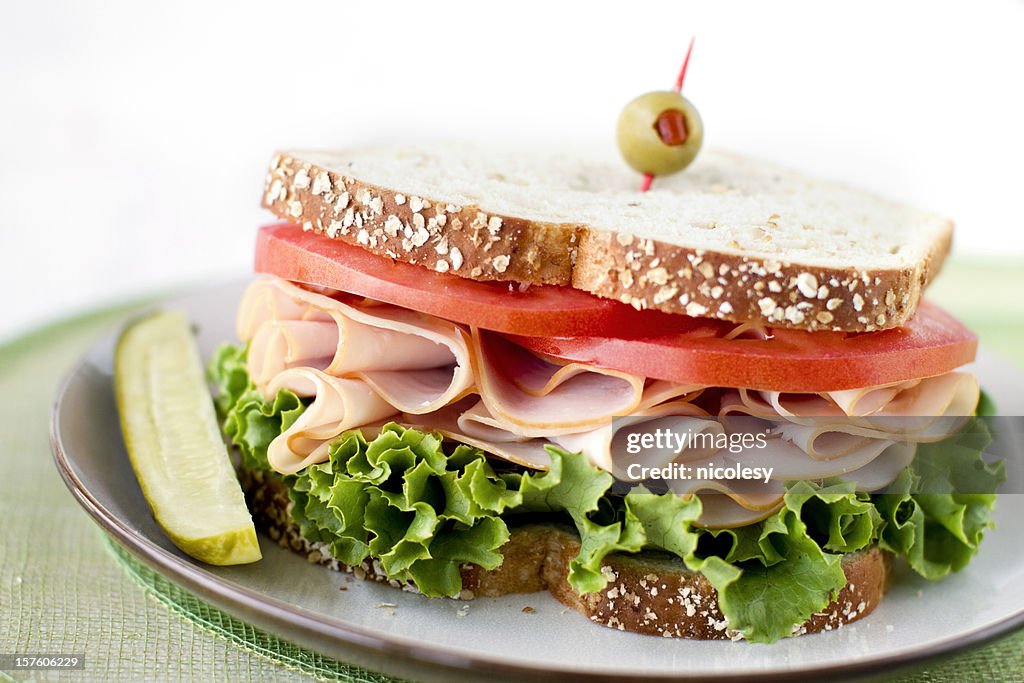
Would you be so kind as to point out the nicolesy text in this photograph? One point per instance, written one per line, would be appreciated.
(683, 472)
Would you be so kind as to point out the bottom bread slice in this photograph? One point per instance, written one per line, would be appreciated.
(650, 592)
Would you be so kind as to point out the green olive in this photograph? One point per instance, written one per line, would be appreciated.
(659, 132)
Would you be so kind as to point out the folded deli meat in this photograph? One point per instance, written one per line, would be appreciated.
(363, 363)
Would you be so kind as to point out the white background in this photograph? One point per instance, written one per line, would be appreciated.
(134, 136)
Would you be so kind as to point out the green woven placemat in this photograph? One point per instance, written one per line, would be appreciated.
(254, 640)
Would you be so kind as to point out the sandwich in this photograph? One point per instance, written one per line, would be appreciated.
(718, 409)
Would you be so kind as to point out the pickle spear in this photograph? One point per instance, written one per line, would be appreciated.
(174, 442)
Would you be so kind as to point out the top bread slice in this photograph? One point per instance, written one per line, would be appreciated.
(730, 237)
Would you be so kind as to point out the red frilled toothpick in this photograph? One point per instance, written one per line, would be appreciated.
(648, 177)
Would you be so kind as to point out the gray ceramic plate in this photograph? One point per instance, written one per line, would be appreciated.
(495, 639)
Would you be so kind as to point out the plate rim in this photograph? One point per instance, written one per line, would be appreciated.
(241, 601)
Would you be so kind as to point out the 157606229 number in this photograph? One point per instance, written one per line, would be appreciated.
(9, 662)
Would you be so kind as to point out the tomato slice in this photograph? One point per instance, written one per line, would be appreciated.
(575, 326)
(289, 252)
(933, 343)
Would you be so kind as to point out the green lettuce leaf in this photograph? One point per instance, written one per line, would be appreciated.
(986, 406)
(578, 489)
(936, 512)
(228, 372)
(400, 500)
(666, 519)
(250, 422)
(772, 576)
(768, 602)
(839, 519)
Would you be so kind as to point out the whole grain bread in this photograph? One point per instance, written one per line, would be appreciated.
(729, 238)
(651, 593)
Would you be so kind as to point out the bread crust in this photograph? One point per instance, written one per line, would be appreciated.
(649, 274)
(650, 593)
(645, 273)
(444, 237)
